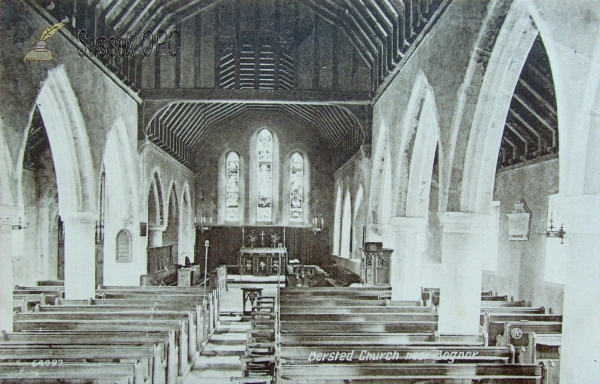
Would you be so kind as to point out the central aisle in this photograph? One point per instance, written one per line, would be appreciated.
(220, 357)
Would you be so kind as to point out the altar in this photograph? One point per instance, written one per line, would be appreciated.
(262, 261)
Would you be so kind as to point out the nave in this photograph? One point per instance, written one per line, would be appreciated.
(280, 335)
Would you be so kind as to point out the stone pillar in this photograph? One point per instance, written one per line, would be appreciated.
(460, 291)
(580, 337)
(155, 235)
(409, 235)
(6, 269)
(80, 254)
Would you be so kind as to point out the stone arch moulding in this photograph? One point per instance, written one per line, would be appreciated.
(378, 168)
(69, 142)
(118, 156)
(421, 134)
(473, 170)
(155, 191)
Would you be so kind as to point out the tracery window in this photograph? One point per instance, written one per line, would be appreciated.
(264, 211)
(232, 188)
(296, 187)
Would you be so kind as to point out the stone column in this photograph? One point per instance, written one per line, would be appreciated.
(460, 290)
(80, 254)
(580, 335)
(155, 235)
(6, 270)
(409, 235)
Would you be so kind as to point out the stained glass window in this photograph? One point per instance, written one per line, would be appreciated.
(265, 176)
(232, 190)
(296, 187)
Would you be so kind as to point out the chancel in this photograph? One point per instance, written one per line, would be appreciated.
(288, 191)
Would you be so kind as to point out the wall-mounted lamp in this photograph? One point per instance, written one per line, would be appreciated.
(19, 225)
(553, 232)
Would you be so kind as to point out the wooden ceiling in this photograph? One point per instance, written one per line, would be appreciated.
(181, 128)
(256, 48)
(531, 127)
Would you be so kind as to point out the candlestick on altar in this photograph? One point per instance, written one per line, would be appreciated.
(243, 232)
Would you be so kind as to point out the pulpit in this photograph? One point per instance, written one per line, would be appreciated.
(262, 261)
(376, 264)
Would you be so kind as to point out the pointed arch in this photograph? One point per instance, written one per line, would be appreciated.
(171, 234)
(156, 211)
(69, 142)
(346, 236)
(414, 164)
(337, 221)
(187, 232)
(380, 193)
(473, 170)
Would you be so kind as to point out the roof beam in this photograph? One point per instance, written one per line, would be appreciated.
(256, 96)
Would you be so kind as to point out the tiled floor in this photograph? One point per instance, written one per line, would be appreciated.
(219, 360)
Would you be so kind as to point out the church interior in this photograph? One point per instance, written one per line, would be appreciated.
(397, 191)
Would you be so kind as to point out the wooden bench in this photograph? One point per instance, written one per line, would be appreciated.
(544, 349)
(116, 325)
(164, 341)
(190, 336)
(381, 338)
(514, 330)
(209, 305)
(411, 373)
(359, 317)
(339, 327)
(497, 318)
(153, 367)
(301, 309)
(101, 373)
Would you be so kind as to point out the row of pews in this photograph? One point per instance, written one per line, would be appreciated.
(148, 334)
(332, 335)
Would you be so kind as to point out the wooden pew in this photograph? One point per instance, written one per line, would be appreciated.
(381, 338)
(120, 326)
(209, 303)
(197, 326)
(411, 373)
(179, 294)
(544, 349)
(164, 340)
(497, 318)
(13, 372)
(339, 327)
(513, 331)
(301, 309)
(530, 310)
(153, 367)
(358, 317)
(188, 316)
